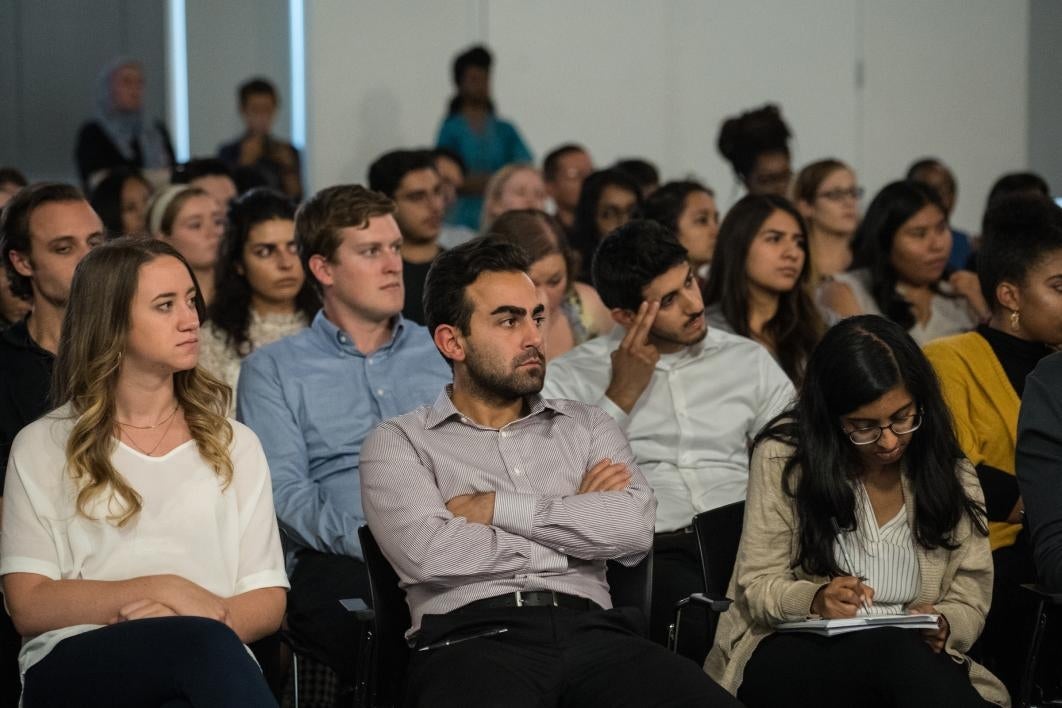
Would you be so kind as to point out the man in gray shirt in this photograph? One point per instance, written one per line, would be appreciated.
(498, 509)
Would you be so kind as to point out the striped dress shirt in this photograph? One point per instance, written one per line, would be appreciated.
(544, 536)
(884, 555)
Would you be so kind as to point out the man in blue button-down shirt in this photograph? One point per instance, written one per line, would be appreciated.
(313, 397)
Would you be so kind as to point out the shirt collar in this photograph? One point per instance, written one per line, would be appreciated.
(339, 341)
(444, 409)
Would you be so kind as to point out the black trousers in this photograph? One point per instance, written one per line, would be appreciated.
(877, 668)
(676, 575)
(552, 657)
(321, 626)
(172, 662)
(1003, 642)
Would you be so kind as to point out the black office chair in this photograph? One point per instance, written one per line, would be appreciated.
(1032, 694)
(387, 665)
(718, 535)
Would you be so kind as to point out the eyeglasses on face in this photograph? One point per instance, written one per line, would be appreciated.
(837, 195)
(901, 426)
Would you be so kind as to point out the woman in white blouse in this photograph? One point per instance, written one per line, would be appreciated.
(860, 502)
(262, 293)
(140, 550)
(901, 255)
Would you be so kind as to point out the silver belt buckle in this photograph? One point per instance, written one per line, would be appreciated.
(519, 599)
(553, 594)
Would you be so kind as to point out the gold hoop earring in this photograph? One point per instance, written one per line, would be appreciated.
(1015, 320)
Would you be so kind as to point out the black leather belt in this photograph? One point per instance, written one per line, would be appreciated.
(537, 598)
(677, 532)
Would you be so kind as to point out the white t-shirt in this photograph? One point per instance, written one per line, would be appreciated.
(225, 541)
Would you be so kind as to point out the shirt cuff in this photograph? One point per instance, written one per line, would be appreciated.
(547, 560)
(797, 599)
(514, 512)
(605, 403)
(22, 564)
(262, 579)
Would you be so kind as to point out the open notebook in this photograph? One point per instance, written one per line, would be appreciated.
(832, 627)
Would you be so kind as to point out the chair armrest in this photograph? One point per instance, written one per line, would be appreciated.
(715, 603)
(1041, 592)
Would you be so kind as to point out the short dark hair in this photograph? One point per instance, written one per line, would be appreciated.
(666, 204)
(454, 270)
(477, 56)
(200, 167)
(640, 170)
(551, 164)
(386, 173)
(451, 155)
(10, 175)
(1017, 183)
(1018, 232)
(14, 225)
(630, 258)
(258, 85)
(925, 163)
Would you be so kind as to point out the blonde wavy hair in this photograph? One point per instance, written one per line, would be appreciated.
(95, 332)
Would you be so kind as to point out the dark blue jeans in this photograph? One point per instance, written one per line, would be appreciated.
(168, 661)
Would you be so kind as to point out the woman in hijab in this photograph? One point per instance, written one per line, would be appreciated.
(119, 135)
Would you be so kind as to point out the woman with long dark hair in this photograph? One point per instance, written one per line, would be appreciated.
(607, 201)
(860, 502)
(901, 255)
(140, 549)
(262, 293)
(757, 284)
(121, 199)
(688, 208)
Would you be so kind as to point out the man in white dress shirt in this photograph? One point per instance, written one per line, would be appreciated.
(689, 399)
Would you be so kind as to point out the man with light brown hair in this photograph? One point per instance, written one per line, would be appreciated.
(313, 397)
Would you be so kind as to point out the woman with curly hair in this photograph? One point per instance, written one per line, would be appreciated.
(140, 550)
(262, 293)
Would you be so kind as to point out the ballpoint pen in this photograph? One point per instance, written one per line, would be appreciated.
(479, 635)
(848, 562)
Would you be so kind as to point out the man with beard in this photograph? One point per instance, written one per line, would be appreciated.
(689, 400)
(498, 509)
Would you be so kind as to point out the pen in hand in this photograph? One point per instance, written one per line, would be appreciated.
(851, 567)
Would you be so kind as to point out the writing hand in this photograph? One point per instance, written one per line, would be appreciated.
(477, 508)
(935, 638)
(605, 476)
(634, 360)
(842, 598)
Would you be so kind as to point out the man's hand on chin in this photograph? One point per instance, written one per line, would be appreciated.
(476, 508)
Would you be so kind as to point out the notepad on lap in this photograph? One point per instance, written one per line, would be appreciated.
(833, 627)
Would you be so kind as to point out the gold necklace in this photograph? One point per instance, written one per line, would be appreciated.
(151, 427)
(165, 432)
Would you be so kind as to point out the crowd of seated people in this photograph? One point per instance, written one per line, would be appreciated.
(514, 373)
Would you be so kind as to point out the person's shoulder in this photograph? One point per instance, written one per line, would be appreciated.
(294, 347)
(578, 411)
(90, 129)
(1049, 371)
(48, 434)
(590, 353)
(955, 347)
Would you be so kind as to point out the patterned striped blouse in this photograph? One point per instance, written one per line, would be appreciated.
(884, 555)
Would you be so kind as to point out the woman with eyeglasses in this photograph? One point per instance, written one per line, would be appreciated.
(827, 195)
(859, 495)
(607, 201)
(262, 291)
(900, 268)
(982, 374)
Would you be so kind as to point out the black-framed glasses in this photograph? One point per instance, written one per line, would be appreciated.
(837, 195)
(901, 426)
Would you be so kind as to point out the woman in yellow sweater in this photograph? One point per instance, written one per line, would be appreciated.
(982, 375)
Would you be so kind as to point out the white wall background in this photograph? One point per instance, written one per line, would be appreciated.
(655, 79)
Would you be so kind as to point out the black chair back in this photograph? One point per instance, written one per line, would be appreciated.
(718, 535)
(633, 586)
(391, 653)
